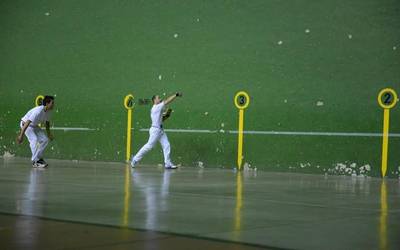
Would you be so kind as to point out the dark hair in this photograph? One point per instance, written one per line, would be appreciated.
(47, 99)
(153, 98)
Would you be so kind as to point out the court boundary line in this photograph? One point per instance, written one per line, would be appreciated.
(72, 129)
(251, 132)
(274, 132)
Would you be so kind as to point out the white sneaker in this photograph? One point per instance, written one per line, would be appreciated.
(133, 162)
(37, 164)
(42, 161)
(171, 167)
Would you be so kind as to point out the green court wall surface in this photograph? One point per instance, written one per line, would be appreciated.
(309, 66)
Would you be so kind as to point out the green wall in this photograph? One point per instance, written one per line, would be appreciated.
(90, 54)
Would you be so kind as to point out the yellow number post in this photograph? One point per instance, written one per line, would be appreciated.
(387, 99)
(128, 103)
(242, 101)
(39, 100)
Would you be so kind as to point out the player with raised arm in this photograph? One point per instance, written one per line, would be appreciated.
(156, 131)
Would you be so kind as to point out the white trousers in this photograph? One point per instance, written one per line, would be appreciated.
(38, 141)
(156, 135)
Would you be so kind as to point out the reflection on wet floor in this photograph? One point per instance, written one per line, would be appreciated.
(383, 237)
(238, 214)
(127, 196)
(289, 211)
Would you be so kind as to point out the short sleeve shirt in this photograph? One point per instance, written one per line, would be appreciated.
(156, 115)
(37, 115)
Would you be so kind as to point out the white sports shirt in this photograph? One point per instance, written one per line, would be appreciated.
(156, 115)
(37, 115)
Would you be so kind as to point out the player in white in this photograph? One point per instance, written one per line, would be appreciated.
(37, 138)
(157, 132)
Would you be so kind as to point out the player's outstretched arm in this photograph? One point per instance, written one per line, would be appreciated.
(172, 98)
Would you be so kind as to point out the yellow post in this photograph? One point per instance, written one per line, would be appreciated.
(240, 139)
(128, 135)
(128, 103)
(39, 100)
(241, 101)
(387, 99)
(385, 141)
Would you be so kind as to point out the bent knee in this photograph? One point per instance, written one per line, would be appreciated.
(44, 140)
(149, 146)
